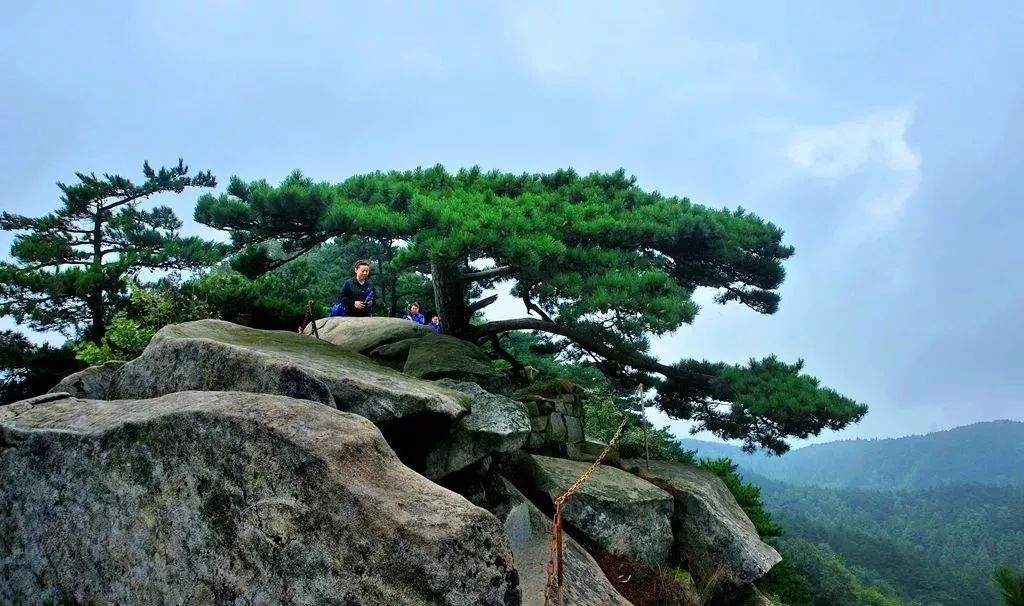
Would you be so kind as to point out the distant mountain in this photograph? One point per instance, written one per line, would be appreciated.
(990, 453)
(934, 546)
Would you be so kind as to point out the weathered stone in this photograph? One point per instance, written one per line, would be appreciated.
(537, 439)
(529, 532)
(564, 405)
(421, 352)
(392, 355)
(539, 423)
(712, 529)
(203, 498)
(589, 449)
(443, 357)
(93, 382)
(11, 410)
(556, 427)
(531, 407)
(362, 335)
(573, 429)
(495, 424)
(615, 509)
(214, 355)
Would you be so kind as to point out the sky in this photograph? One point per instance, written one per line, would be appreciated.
(884, 140)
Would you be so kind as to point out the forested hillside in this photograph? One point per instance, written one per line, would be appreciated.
(983, 453)
(936, 546)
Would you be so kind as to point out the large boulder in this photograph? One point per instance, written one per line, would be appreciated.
(214, 355)
(412, 348)
(230, 497)
(615, 510)
(442, 357)
(495, 424)
(93, 382)
(362, 335)
(712, 531)
(529, 532)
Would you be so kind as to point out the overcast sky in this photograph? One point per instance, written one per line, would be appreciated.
(884, 140)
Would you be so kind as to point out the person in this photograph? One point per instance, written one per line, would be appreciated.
(357, 295)
(413, 313)
(435, 324)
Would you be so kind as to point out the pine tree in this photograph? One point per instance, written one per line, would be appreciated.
(1009, 585)
(598, 263)
(70, 269)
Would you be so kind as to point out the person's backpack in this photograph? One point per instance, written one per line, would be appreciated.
(338, 310)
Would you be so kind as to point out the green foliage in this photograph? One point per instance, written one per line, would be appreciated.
(937, 546)
(28, 370)
(764, 389)
(72, 266)
(787, 585)
(271, 301)
(148, 310)
(599, 263)
(816, 570)
(747, 495)
(1010, 586)
(541, 355)
(603, 405)
(602, 416)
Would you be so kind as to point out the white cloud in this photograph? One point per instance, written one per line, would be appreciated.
(875, 150)
(840, 149)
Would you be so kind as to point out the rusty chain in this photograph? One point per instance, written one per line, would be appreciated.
(554, 594)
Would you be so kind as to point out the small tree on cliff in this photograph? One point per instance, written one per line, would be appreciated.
(597, 262)
(70, 267)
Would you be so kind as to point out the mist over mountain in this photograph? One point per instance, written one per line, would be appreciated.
(989, 453)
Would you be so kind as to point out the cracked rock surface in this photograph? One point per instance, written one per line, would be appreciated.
(218, 356)
(230, 497)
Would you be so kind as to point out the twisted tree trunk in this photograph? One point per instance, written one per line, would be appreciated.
(450, 296)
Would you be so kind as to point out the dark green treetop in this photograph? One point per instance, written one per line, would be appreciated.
(1009, 585)
(598, 263)
(70, 267)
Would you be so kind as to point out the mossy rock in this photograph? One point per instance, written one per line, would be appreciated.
(442, 357)
(363, 335)
(551, 387)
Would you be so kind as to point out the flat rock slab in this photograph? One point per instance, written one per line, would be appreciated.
(712, 529)
(214, 355)
(362, 335)
(529, 531)
(230, 497)
(616, 510)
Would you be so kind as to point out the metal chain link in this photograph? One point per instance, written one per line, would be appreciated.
(554, 587)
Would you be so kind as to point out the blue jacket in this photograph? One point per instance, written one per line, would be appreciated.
(417, 318)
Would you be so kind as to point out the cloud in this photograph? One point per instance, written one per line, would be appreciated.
(841, 149)
(874, 151)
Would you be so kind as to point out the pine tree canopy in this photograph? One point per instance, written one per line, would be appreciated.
(71, 266)
(598, 263)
